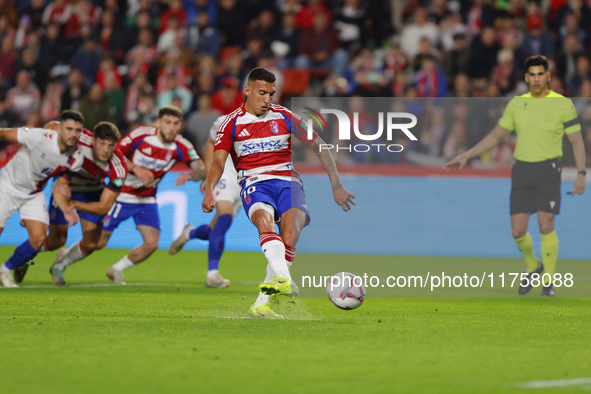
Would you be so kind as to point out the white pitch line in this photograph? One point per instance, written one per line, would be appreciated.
(128, 284)
(543, 384)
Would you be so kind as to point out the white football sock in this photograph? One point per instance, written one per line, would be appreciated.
(123, 264)
(71, 255)
(4, 268)
(261, 299)
(274, 251)
(264, 298)
(212, 273)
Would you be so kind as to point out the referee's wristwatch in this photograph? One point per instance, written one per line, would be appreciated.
(583, 172)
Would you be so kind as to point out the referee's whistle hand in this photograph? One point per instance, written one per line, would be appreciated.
(579, 187)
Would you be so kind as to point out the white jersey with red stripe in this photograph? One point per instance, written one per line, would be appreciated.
(38, 160)
(88, 174)
(144, 149)
(260, 146)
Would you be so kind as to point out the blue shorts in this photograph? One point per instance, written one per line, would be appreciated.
(143, 215)
(56, 216)
(281, 195)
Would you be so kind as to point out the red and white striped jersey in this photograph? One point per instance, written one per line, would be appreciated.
(261, 146)
(144, 149)
(38, 159)
(88, 174)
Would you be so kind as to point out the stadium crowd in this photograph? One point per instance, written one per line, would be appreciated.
(122, 60)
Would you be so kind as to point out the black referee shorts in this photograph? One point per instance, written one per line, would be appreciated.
(536, 186)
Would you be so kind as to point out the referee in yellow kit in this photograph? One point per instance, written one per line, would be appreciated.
(540, 118)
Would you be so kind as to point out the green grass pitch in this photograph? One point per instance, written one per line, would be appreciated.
(167, 332)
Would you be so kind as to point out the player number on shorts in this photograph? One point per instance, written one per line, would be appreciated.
(222, 184)
(115, 209)
(250, 190)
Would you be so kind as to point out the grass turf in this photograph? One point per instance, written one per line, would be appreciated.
(172, 334)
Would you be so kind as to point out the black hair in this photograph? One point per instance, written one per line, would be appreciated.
(170, 110)
(73, 115)
(536, 60)
(107, 131)
(261, 74)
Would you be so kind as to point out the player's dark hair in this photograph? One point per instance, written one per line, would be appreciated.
(107, 131)
(536, 60)
(73, 115)
(261, 74)
(170, 110)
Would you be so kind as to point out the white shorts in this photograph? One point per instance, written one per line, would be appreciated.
(228, 189)
(31, 207)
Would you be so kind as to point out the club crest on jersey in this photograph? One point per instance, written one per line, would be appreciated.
(274, 127)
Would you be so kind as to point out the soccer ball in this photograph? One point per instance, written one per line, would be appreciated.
(346, 290)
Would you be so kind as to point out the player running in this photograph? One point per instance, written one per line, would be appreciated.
(227, 204)
(97, 160)
(258, 137)
(44, 154)
(152, 152)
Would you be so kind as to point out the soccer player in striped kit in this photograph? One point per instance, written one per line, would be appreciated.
(84, 182)
(151, 151)
(258, 137)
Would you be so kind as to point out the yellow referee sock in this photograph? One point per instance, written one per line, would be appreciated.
(549, 253)
(526, 246)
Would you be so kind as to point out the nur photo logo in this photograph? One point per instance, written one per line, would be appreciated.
(388, 123)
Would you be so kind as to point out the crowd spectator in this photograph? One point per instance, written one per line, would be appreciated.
(203, 38)
(74, 91)
(87, 58)
(200, 121)
(95, 107)
(228, 97)
(320, 48)
(24, 98)
(7, 117)
(174, 90)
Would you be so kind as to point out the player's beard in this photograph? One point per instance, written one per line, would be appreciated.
(163, 136)
(68, 145)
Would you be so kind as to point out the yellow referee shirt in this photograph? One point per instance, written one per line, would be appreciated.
(540, 124)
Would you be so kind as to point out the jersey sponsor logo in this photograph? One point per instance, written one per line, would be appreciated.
(244, 133)
(43, 155)
(249, 148)
(147, 151)
(48, 135)
(218, 138)
(47, 170)
(274, 127)
(150, 164)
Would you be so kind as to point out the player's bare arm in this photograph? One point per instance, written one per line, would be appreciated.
(208, 157)
(8, 134)
(213, 177)
(198, 174)
(342, 196)
(145, 175)
(61, 197)
(491, 140)
(101, 207)
(579, 152)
